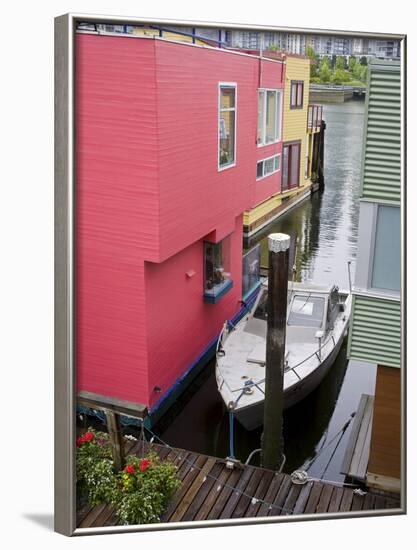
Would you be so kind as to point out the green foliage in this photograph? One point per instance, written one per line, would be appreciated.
(325, 73)
(352, 63)
(340, 76)
(94, 465)
(363, 60)
(139, 493)
(314, 71)
(338, 70)
(340, 63)
(144, 489)
(274, 48)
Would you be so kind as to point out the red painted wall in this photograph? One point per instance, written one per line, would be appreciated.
(180, 324)
(116, 199)
(148, 191)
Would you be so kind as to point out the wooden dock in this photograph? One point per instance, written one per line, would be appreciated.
(355, 461)
(211, 491)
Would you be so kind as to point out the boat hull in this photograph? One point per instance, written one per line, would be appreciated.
(251, 417)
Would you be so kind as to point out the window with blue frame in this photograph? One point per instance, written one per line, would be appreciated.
(217, 278)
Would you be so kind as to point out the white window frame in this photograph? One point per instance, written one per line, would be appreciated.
(279, 94)
(219, 110)
(269, 173)
(368, 214)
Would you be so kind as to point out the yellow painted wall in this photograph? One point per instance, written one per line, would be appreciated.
(295, 120)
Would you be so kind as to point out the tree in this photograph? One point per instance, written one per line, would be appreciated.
(314, 61)
(363, 60)
(340, 76)
(358, 71)
(340, 63)
(325, 72)
(363, 74)
(352, 63)
(333, 61)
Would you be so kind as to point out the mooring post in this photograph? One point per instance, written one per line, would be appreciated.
(272, 439)
(116, 439)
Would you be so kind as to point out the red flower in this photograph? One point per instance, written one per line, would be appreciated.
(79, 441)
(89, 436)
(144, 464)
(130, 469)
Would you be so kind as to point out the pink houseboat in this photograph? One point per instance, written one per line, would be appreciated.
(174, 142)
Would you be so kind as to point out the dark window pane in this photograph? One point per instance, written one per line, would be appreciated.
(259, 169)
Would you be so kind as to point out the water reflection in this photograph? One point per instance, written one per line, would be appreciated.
(326, 226)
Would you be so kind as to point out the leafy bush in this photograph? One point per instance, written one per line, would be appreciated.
(139, 493)
(144, 489)
(95, 475)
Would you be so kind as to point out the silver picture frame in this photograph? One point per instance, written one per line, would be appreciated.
(65, 245)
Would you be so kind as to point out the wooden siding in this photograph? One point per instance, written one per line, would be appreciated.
(382, 136)
(192, 189)
(148, 193)
(375, 331)
(115, 225)
(180, 324)
(385, 455)
(295, 120)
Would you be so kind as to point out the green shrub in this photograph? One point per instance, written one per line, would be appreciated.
(95, 474)
(144, 489)
(139, 493)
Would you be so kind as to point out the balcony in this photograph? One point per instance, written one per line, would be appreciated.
(315, 114)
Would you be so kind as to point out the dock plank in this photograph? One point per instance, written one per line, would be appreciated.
(271, 495)
(369, 502)
(324, 501)
(357, 502)
(216, 501)
(209, 490)
(235, 495)
(360, 456)
(278, 504)
(203, 492)
(244, 500)
(313, 498)
(303, 498)
(335, 500)
(92, 515)
(260, 493)
(291, 499)
(350, 447)
(187, 499)
(346, 500)
(188, 473)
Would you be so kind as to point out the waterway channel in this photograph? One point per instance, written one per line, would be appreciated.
(326, 228)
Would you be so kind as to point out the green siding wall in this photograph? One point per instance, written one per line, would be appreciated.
(382, 156)
(375, 331)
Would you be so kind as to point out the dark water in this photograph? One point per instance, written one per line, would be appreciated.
(326, 229)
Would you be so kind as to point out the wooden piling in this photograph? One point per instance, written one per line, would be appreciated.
(116, 438)
(272, 439)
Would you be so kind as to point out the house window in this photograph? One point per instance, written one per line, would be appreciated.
(217, 279)
(227, 125)
(290, 165)
(269, 116)
(297, 92)
(387, 249)
(268, 166)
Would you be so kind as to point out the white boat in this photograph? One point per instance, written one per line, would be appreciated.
(317, 323)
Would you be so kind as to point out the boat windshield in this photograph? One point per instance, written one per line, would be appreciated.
(261, 311)
(306, 311)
